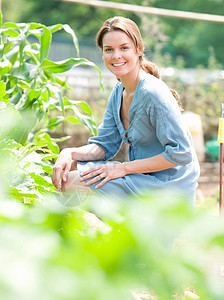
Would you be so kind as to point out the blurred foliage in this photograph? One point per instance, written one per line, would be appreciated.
(85, 20)
(177, 37)
(193, 39)
(153, 244)
(202, 96)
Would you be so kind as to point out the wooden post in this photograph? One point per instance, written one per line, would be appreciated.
(220, 179)
(151, 10)
(221, 141)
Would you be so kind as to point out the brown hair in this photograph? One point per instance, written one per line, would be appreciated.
(131, 29)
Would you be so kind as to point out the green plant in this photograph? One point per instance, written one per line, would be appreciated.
(33, 102)
(28, 83)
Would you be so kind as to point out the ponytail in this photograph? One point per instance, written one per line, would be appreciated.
(154, 70)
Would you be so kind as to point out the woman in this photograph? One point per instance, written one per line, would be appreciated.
(142, 112)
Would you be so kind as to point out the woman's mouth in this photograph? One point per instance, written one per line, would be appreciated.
(118, 65)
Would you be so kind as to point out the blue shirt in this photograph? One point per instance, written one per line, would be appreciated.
(155, 126)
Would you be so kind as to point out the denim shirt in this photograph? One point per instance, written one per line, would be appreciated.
(155, 126)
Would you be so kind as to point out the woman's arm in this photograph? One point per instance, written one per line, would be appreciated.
(111, 171)
(67, 161)
(147, 165)
(88, 152)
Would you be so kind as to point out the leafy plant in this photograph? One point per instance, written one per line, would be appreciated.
(28, 83)
(33, 102)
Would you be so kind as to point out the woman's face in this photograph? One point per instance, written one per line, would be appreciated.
(120, 55)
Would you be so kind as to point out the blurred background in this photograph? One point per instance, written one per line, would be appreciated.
(168, 41)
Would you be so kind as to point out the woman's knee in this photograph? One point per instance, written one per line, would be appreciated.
(73, 182)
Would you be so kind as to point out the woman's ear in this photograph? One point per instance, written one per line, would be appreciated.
(139, 51)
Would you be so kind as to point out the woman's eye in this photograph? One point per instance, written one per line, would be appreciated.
(108, 50)
(124, 48)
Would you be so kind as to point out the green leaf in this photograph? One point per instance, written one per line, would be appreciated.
(86, 120)
(24, 197)
(45, 95)
(2, 90)
(36, 29)
(32, 96)
(54, 122)
(44, 140)
(21, 47)
(34, 26)
(5, 67)
(48, 169)
(23, 84)
(67, 102)
(45, 43)
(40, 180)
(85, 107)
(15, 99)
(72, 120)
(38, 109)
(13, 54)
(25, 71)
(57, 80)
(10, 32)
(61, 139)
(9, 144)
(11, 25)
(55, 28)
(29, 50)
(64, 65)
(1, 51)
(5, 48)
(69, 30)
(61, 101)
(98, 69)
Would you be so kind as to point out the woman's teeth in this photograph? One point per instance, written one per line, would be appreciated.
(118, 65)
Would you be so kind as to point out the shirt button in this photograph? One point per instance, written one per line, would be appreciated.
(126, 134)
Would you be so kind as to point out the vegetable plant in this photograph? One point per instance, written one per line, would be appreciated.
(33, 102)
(28, 83)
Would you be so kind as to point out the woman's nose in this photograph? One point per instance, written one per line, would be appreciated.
(116, 54)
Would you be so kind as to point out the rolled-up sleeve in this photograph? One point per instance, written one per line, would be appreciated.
(108, 136)
(165, 116)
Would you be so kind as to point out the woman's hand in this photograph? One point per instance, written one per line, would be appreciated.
(63, 166)
(106, 172)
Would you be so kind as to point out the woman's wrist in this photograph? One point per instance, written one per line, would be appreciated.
(124, 167)
(68, 152)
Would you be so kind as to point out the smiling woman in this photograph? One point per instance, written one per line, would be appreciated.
(120, 55)
(142, 112)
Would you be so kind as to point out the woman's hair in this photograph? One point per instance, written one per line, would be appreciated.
(131, 29)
